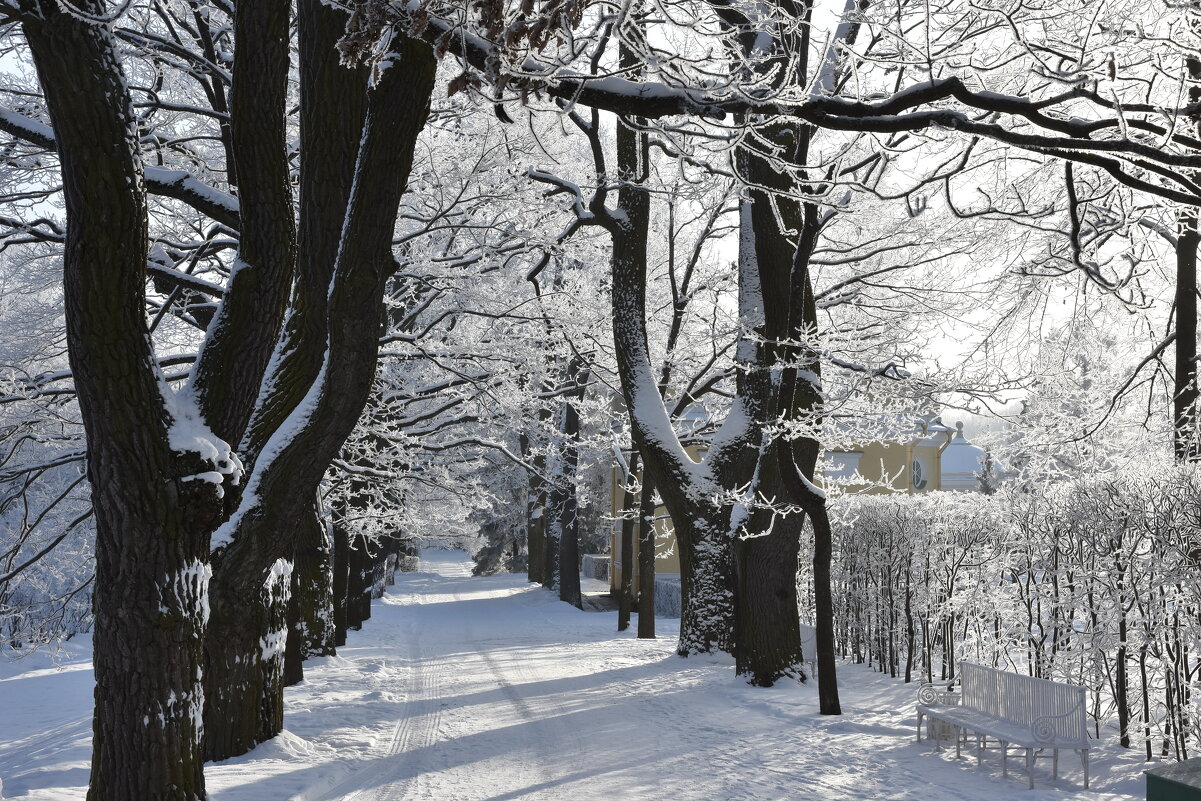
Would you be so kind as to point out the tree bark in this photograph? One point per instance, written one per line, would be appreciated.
(569, 525)
(646, 561)
(358, 603)
(1186, 440)
(766, 551)
(1184, 392)
(536, 529)
(295, 457)
(629, 525)
(341, 581)
(310, 621)
(243, 674)
(533, 512)
(293, 658)
(552, 522)
(242, 335)
(151, 580)
(707, 610)
(767, 590)
(333, 107)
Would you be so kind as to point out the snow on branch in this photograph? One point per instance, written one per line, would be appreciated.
(175, 184)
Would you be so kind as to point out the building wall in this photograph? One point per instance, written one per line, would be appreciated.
(888, 467)
(667, 558)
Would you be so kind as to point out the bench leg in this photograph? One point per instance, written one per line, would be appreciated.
(1084, 759)
(979, 749)
(958, 742)
(1005, 759)
(1030, 765)
(919, 727)
(1055, 763)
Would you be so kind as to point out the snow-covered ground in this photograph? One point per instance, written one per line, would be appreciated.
(463, 688)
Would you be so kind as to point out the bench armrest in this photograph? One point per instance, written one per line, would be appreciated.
(1043, 727)
(930, 693)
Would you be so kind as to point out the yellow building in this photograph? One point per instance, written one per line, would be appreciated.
(938, 457)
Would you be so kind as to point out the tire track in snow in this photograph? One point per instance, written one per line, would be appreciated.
(390, 774)
(421, 759)
(555, 745)
(533, 771)
(414, 732)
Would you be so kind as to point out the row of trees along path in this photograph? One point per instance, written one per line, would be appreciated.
(199, 495)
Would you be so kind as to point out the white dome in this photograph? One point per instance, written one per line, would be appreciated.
(962, 464)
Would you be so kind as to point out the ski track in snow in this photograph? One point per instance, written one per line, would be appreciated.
(490, 689)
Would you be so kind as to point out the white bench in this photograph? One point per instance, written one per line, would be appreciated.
(1030, 713)
(809, 649)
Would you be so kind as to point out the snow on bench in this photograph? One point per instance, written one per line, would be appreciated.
(1012, 709)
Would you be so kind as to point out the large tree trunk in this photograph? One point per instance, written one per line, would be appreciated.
(246, 330)
(244, 666)
(311, 614)
(293, 658)
(291, 464)
(688, 489)
(329, 143)
(272, 648)
(313, 564)
(767, 621)
(333, 106)
(151, 510)
(707, 610)
(767, 586)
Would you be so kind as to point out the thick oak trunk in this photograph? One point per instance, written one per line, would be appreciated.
(701, 526)
(707, 610)
(282, 484)
(244, 668)
(333, 106)
(151, 581)
(311, 613)
(767, 621)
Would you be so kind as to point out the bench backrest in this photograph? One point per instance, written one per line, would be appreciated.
(1023, 699)
(808, 642)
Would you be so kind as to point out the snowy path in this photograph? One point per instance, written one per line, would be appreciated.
(488, 689)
